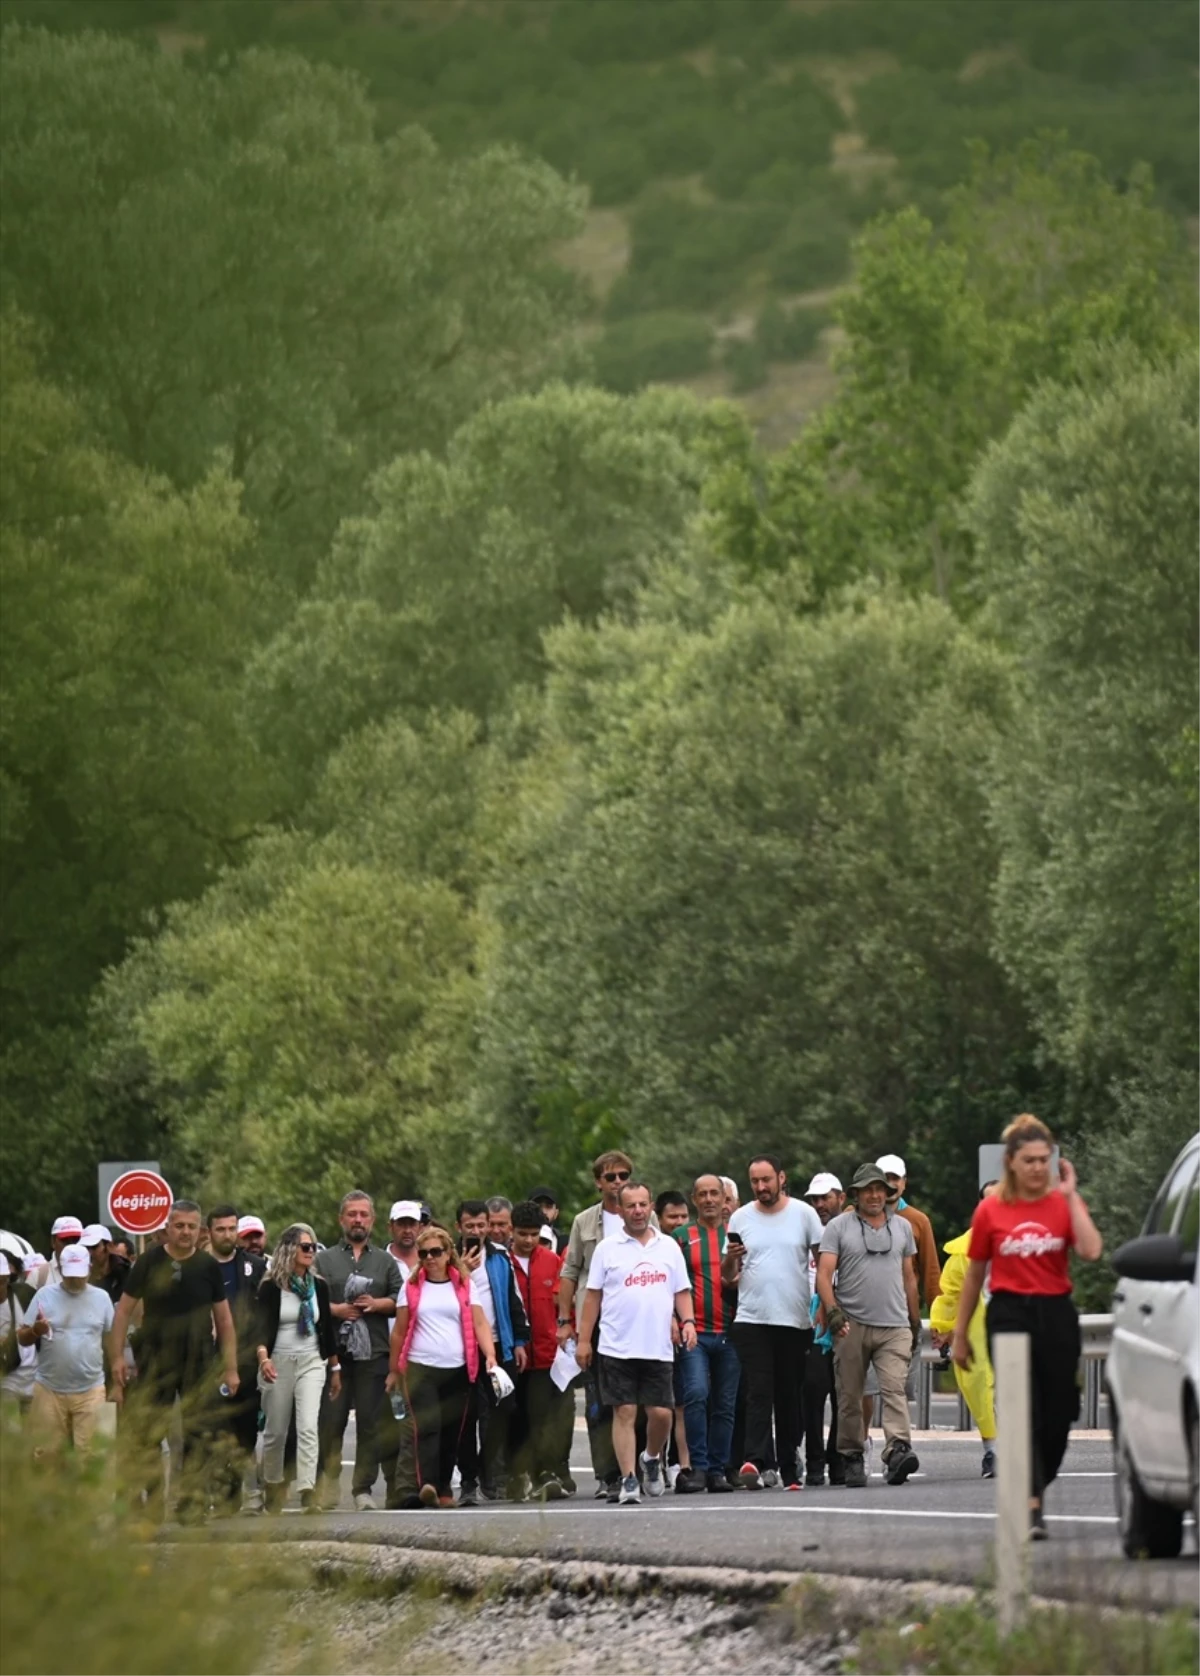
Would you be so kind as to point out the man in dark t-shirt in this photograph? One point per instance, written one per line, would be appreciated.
(184, 1309)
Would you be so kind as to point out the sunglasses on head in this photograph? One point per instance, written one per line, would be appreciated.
(616, 1175)
(305, 1245)
(432, 1251)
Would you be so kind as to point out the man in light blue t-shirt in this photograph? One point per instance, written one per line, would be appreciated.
(768, 1247)
(67, 1323)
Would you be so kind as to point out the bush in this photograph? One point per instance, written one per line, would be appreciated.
(652, 347)
(789, 334)
(794, 123)
(688, 254)
(746, 362)
(814, 250)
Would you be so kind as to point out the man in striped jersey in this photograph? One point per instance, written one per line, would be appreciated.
(709, 1377)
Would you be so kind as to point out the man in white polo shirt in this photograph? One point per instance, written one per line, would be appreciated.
(640, 1278)
(767, 1251)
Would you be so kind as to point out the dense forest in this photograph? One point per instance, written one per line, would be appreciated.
(433, 747)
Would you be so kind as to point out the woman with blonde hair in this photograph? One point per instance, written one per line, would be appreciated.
(297, 1342)
(438, 1337)
(1026, 1230)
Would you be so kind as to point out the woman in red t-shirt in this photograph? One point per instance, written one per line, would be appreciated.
(1025, 1231)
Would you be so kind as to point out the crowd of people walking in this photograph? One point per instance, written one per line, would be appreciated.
(717, 1345)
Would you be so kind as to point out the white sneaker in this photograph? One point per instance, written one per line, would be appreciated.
(364, 1502)
(631, 1492)
(672, 1474)
(771, 1479)
(652, 1474)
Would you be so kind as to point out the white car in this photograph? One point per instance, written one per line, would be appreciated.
(1153, 1371)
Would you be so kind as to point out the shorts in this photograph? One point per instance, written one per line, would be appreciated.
(636, 1380)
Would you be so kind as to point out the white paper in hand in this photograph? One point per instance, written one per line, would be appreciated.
(564, 1368)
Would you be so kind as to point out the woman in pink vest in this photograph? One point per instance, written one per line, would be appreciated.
(439, 1335)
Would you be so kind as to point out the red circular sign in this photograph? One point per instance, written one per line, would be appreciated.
(139, 1202)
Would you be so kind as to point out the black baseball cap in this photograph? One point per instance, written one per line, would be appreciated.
(543, 1195)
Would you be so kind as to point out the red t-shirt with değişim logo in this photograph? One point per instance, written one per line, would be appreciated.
(1026, 1241)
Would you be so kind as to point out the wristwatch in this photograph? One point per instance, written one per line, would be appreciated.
(564, 1320)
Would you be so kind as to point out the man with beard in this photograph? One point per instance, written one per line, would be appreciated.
(68, 1323)
(767, 1252)
(237, 1421)
(364, 1282)
(184, 1310)
(827, 1198)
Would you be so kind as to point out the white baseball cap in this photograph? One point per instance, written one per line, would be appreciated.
(251, 1225)
(547, 1234)
(891, 1164)
(823, 1182)
(64, 1225)
(32, 1260)
(74, 1262)
(409, 1208)
(94, 1233)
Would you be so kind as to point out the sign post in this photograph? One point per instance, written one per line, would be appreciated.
(139, 1201)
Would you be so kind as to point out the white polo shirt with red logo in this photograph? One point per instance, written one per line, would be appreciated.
(638, 1284)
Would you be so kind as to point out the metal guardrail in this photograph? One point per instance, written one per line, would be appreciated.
(1096, 1333)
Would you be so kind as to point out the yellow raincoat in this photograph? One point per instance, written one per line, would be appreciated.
(977, 1383)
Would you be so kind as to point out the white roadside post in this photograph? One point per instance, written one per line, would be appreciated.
(1010, 1354)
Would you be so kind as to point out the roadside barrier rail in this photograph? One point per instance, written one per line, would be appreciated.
(1096, 1333)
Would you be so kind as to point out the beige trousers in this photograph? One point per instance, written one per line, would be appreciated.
(889, 1350)
(56, 1420)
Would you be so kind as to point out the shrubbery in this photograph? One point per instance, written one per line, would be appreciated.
(652, 347)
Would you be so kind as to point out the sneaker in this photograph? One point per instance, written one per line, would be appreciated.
(1037, 1525)
(794, 1487)
(569, 1486)
(837, 1477)
(652, 1473)
(749, 1477)
(612, 1492)
(549, 1490)
(901, 1463)
(427, 1495)
(515, 1489)
(309, 1502)
(814, 1478)
(364, 1502)
(445, 1501)
(988, 1466)
(856, 1472)
(600, 1493)
(254, 1502)
(691, 1482)
(630, 1492)
(718, 1485)
(771, 1479)
(468, 1498)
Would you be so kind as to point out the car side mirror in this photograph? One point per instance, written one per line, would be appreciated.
(1155, 1257)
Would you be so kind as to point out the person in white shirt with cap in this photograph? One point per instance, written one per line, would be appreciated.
(827, 1197)
(68, 1324)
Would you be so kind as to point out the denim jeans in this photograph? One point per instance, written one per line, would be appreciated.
(708, 1377)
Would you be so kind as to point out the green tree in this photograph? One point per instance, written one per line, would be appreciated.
(946, 335)
(229, 259)
(1085, 518)
(745, 901)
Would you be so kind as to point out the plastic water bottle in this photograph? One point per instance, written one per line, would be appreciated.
(224, 1389)
(399, 1406)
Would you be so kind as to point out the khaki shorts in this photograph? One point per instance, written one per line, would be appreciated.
(56, 1419)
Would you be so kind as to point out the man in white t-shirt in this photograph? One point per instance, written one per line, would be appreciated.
(768, 1249)
(68, 1324)
(637, 1285)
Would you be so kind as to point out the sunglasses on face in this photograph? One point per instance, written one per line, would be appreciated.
(616, 1175)
(305, 1245)
(433, 1251)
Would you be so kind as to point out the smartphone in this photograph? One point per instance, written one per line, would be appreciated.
(735, 1239)
(471, 1242)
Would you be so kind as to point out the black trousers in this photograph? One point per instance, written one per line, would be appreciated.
(494, 1451)
(147, 1419)
(536, 1436)
(1054, 1350)
(235, 1429)
(362, 1390)
(438, 1399)
(470, 1449)
(819, 1387)
(773, 1361)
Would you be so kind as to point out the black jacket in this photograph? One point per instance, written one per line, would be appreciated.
(267, 1318)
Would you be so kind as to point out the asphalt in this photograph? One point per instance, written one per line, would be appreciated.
(937, 1527)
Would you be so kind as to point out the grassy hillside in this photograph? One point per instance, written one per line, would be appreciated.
(732, 147)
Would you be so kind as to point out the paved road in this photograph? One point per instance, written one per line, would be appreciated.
(938, 1526)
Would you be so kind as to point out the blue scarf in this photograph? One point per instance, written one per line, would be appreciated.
(306, 1290)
